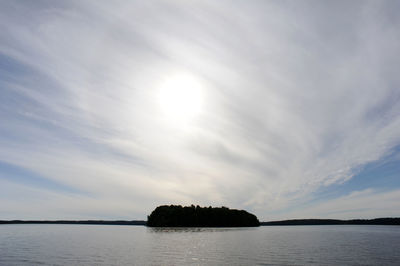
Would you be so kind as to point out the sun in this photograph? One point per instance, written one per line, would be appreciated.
(180, 98)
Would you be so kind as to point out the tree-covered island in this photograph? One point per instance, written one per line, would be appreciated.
(196, 216)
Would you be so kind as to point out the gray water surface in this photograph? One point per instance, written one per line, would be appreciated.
(46, 244)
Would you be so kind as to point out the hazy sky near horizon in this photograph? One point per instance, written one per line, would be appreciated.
(288, 109)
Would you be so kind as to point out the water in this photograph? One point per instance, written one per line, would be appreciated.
(138, 245)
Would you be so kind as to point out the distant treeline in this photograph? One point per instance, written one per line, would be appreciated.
(74, 222)
(377, 221)
(196, 216)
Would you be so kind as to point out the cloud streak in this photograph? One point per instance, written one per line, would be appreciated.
(297, 97)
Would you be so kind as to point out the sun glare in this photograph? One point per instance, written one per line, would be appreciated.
(180, 98)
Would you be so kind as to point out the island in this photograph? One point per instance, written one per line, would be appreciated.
(196, 216)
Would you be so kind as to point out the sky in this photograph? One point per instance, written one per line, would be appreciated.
(288, 109)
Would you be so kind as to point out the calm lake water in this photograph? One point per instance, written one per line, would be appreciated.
(138, 245)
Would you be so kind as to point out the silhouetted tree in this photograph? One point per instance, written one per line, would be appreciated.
(196, 216)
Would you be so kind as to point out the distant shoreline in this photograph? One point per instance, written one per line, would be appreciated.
(377, 221)
(88, 222)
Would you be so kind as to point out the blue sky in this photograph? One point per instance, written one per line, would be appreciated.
(289, 109)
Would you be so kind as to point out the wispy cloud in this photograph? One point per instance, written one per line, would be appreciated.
(297, 96)
(369, 203)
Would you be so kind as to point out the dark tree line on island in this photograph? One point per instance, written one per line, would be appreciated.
(196, 216)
